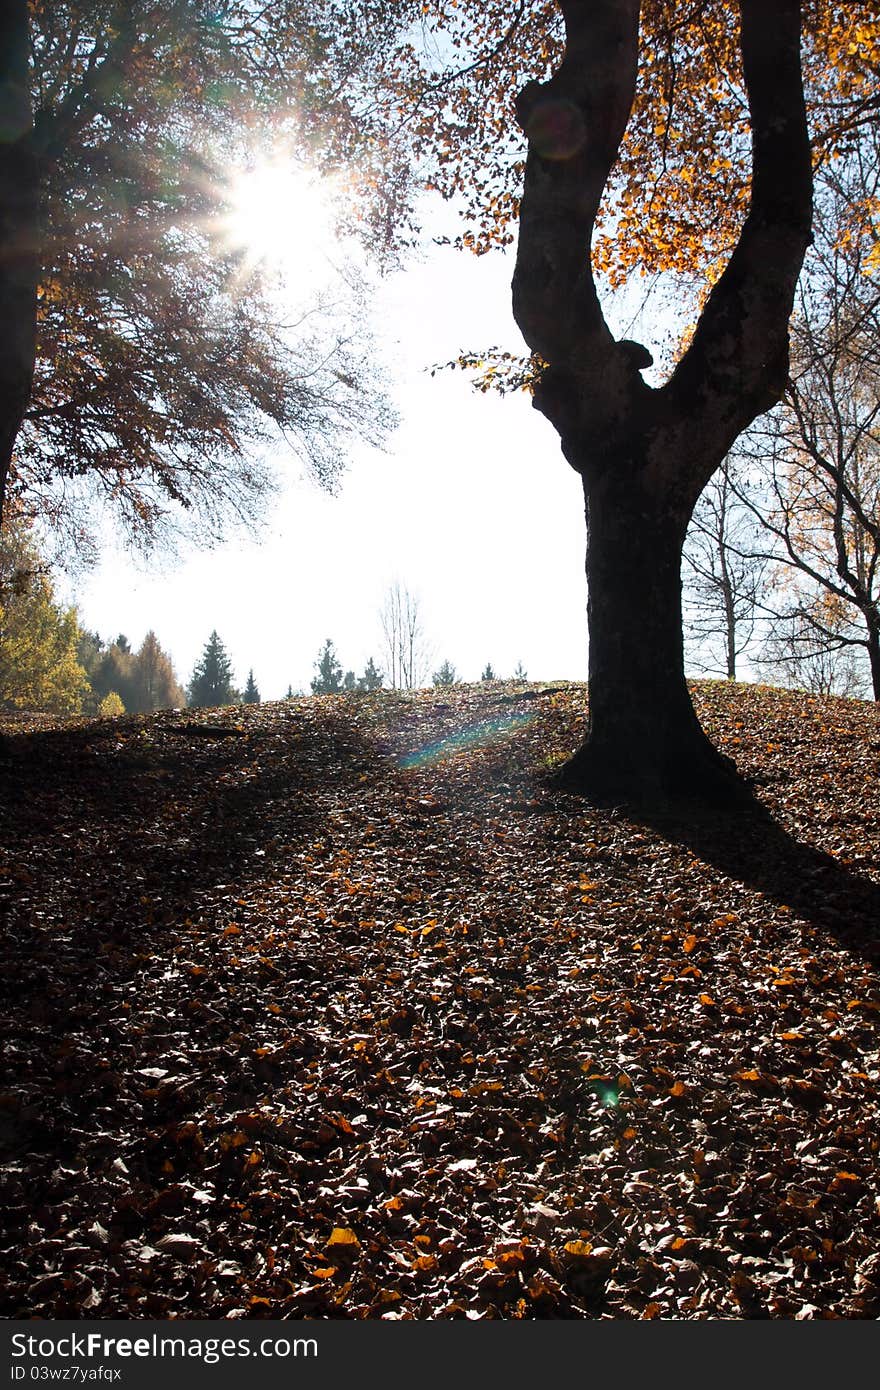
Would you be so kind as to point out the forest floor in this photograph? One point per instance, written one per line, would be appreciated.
(335, 1008)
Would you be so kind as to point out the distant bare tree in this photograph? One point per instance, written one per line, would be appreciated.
(820, 449)
(406, 650)
(724, 577)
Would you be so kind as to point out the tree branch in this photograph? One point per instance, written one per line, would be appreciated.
(737, 364)
(574, 124)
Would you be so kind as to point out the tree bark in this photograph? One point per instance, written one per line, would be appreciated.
(19, 226)
(645, 454)
(645, 742)
(874, 653)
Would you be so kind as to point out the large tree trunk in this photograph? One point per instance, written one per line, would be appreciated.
(644, 740)
(645, 453)
(18, 233)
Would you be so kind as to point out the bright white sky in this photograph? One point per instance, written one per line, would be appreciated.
(473, 509)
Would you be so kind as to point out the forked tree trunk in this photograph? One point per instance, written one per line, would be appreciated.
(644, 453)
(18, 233)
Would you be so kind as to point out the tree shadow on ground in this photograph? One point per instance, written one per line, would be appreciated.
(116, 833)
(755, 849)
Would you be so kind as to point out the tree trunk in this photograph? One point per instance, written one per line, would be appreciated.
(18, 233)
(644, 741)
(729, 614)
(874, 656)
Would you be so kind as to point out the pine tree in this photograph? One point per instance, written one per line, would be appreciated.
(372, 678)
(488, 674)
(349, 681)
(447, 675)
(520, 674)
(329, 678)
(211, 682)
(251, 694)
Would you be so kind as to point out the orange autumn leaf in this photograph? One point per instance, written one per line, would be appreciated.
(343, 1236)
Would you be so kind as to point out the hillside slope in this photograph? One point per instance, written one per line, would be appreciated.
(335, 1008)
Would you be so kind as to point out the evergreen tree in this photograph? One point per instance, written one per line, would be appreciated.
(251, 694)
(39, 669)
(447, 675)
(350, 681)
(372, 678)
(289, 695)
(488, 674)
(211, 682)
(520, 674)
(329, 672)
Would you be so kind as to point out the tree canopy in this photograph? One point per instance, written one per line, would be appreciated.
(162, 364)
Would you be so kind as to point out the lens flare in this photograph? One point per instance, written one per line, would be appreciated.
(486, 732)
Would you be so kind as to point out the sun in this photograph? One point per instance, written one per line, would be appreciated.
(280, 216)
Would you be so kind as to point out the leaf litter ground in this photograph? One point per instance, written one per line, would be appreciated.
(335, 1008)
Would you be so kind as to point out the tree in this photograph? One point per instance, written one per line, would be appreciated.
(328, 680)
(211, 681)
(726, 576)
(349, 681)
(814, 648)
(404, 637)
(372, 678)
(446, 675)
(39, 669)
(645, 454)
(110, 669)
(818, 453)
(140, 356)
(111, 706)
(251, 694)
(488, 673)
(520, 674)
(153, 682)
(667, 135)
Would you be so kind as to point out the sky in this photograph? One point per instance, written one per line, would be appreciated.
(472, 508)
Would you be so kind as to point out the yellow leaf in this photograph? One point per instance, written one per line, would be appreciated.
(342, 1235)
(579, 1248)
